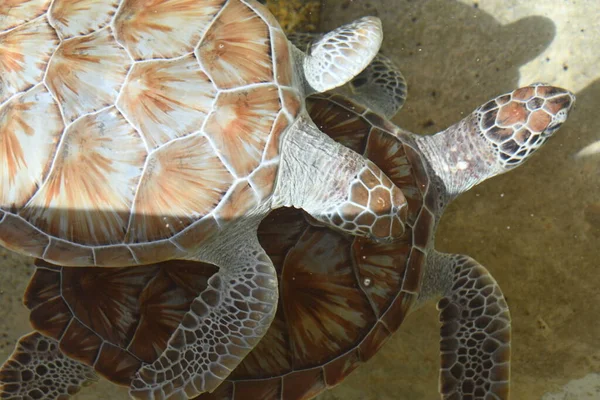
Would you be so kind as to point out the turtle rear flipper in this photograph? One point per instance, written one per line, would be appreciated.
(475, 334)
(37, 369)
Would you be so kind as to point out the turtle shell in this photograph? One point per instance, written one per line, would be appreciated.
(341, 296)
(131, 130)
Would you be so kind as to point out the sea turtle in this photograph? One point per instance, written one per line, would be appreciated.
(140, 131)
(340, 297)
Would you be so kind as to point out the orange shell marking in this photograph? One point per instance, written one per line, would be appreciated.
(24, 55)
(128, 128)
(162, 29)
(236, 51)
(239, 124)
(184, 181)
(86, 73)
(167, 99)
(15, 12)
(30, 120)
(80, 17)
(101, 192)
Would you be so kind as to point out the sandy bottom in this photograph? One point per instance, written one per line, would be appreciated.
(536, 229)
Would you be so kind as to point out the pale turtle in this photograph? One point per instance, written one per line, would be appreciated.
(140, 131)
(341, 297)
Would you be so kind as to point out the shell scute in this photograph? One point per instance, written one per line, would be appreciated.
(163, 28)
(43, 286)
(80, 17)
(167, 99)
(303, 384)
(241, 123)
(236, 51)
(183, 181)
(67, 253)
(146, 253)
(414, 271)
(16, 234)
(382, 265)
(28, 121)
(336, 370)
(87, 72)
(15, 12)
(198, 232)
(373, 341)
(24, 55)
(90, 205)
(283, 59)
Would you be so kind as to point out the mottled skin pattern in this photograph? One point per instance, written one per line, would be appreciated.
(37, 359)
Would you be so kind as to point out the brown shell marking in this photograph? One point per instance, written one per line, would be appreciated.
(28, 121)
(319, 295)
(101, 192)
(183, 181)
(341, 124)
(167, 99)
(241, 123)
(61, 251)
(263, 179)
(18, 235)
(241, 199)
(24, 55)
(381, 268)
(140, 309)
(145, 27)
(87, 72)
(80, 17)
(236, 50)
(272, 150)
(15, 12)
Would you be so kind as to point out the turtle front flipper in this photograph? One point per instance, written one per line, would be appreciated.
(341, 54)
(475, 334)
(380, 86)
(37, 369)
(222, 326)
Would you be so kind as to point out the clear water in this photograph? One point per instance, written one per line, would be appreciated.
(536, 229)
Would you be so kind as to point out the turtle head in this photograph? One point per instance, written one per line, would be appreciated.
(518, 123)
(497, 137)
